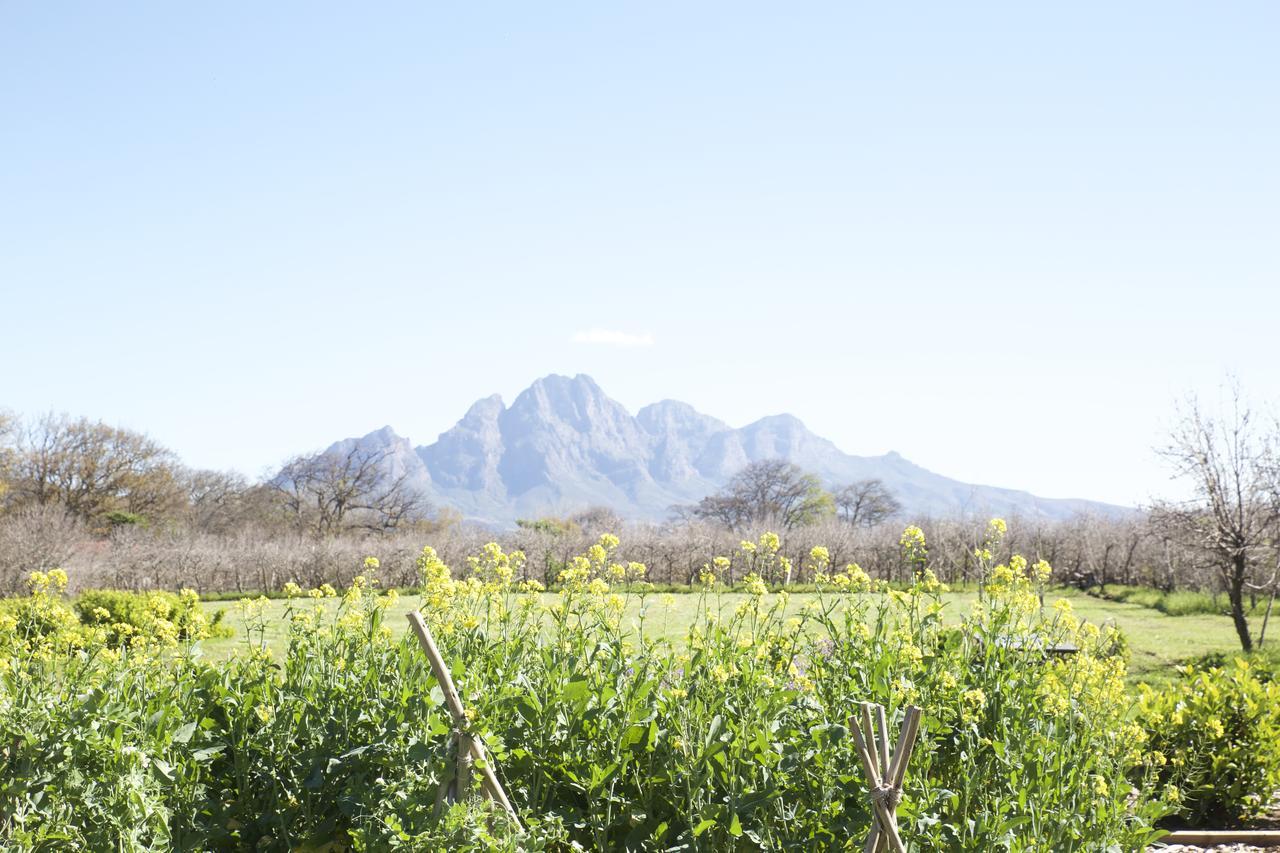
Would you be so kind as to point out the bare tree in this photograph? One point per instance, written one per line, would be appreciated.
(217, 501)
(866, 503)
(8, 455)
(36, 538)
(595, 520)
(1231, 522)
(771, 490)
(92, 469)
(329, 493)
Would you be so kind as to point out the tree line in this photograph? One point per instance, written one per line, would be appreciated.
(108, 477)
(126, 512)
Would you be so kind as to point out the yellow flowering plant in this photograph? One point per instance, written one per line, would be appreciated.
(728, 732)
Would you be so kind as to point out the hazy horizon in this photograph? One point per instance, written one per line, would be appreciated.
(1000, 240)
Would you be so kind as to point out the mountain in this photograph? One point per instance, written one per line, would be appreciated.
(563, 445)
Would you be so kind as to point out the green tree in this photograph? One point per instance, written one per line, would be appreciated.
(770, 491)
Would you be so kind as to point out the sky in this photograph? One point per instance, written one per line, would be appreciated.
(1002, 239)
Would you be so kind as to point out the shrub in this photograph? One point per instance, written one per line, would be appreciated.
(1216, 733)
(165, 615)
(108, 618)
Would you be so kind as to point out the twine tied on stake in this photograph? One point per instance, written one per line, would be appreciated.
(885, 773)
(470, 751)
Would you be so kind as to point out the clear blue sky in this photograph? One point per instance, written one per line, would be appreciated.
(998, 238)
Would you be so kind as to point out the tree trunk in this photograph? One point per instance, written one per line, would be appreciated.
(1266, 617)
(1236, 593)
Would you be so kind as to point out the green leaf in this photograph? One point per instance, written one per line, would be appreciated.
(576, 691)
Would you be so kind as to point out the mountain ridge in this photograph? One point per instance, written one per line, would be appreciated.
(563, 445)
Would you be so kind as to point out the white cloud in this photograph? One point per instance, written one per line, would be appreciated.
(613, 338)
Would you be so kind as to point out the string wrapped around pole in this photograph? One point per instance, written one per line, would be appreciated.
(885, 773)
(471, 753)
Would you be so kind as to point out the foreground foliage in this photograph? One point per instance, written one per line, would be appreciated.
(1216, 737)
(734, 739)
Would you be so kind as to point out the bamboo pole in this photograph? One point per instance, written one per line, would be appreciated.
(885, 774)
(883, 827)
(471, 752)
(884, 736)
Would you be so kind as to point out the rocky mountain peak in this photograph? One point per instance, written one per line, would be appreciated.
(563, 445)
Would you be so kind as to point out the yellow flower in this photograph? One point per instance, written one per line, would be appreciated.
(928, 582)
(292, 590)
(973, 702)
(576, 573)
(912, 539)
(432, 570)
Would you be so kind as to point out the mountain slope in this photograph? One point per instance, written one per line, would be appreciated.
(563, 445)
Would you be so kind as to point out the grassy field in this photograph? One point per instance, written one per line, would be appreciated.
(1157, 640)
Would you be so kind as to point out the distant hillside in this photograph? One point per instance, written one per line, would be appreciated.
(563, 445)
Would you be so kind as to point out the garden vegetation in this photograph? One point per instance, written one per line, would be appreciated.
(733, 737)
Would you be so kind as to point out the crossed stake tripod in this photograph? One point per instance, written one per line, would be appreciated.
(884, 774)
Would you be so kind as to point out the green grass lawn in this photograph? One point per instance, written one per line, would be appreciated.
(1157, 640)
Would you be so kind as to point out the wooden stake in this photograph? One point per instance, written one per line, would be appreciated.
(471, 752)
(885, 774)
(884, 737)
(1211, 838)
